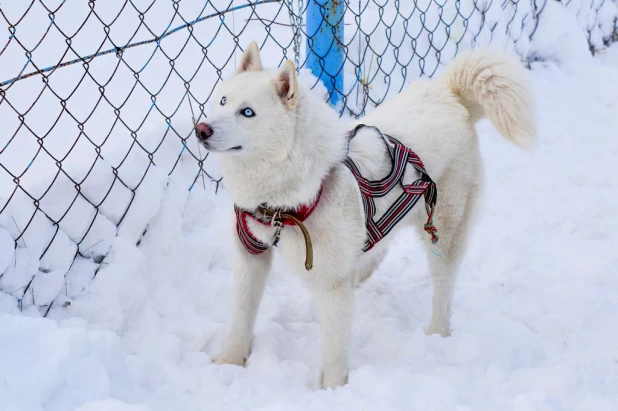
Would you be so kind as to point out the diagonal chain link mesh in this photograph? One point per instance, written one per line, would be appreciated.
(96, 100)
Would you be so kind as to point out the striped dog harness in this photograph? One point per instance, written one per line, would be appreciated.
(402, 156)
(376, 230)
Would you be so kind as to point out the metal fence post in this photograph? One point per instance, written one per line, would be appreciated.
(325, 56)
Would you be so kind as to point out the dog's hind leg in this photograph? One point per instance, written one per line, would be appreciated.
(457, 197)
(250, 274)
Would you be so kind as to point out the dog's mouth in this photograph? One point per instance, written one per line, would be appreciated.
(210, 148)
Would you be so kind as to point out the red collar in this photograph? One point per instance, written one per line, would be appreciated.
(301, 213)
(255, 246)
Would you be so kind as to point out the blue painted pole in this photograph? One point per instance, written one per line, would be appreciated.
(325, 56)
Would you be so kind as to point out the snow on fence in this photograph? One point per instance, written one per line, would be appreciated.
(96, 101)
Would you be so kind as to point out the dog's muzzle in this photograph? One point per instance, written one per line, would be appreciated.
(204, 133)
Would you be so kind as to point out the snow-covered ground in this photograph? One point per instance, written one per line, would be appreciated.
(535, 323)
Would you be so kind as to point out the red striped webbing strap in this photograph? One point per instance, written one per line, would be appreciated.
(251, 244)
(402, 156)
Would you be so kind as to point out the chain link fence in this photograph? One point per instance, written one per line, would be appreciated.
(97, 101)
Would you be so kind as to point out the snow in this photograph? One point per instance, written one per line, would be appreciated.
(57, 366)
(138, 317)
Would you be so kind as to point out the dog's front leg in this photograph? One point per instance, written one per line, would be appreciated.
(335, 305)
(250, 274)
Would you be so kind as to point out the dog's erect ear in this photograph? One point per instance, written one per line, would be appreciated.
(286, 84)
(250, 60)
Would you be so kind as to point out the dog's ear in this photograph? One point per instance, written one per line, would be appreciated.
(286, 84)
(250, 60)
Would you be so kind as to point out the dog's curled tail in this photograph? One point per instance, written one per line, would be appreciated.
(494, 84)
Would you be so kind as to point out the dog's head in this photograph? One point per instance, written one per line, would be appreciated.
(254, 111)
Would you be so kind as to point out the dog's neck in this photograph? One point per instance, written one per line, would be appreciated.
(319, 145)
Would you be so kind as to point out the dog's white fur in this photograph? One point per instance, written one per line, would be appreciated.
(296, 142)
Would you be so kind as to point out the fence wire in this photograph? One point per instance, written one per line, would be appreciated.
(94, 102)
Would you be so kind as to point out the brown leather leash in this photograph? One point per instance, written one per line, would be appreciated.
(278, 219)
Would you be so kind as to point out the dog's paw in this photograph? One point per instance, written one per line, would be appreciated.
(439, 329)
(334, 380)
(230, 357)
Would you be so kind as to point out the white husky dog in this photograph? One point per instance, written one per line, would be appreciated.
(279, 144)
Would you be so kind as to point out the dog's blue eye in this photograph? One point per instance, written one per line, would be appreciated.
(248, 112)
(223, 101)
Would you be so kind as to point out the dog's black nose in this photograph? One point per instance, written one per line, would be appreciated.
(203, 131)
